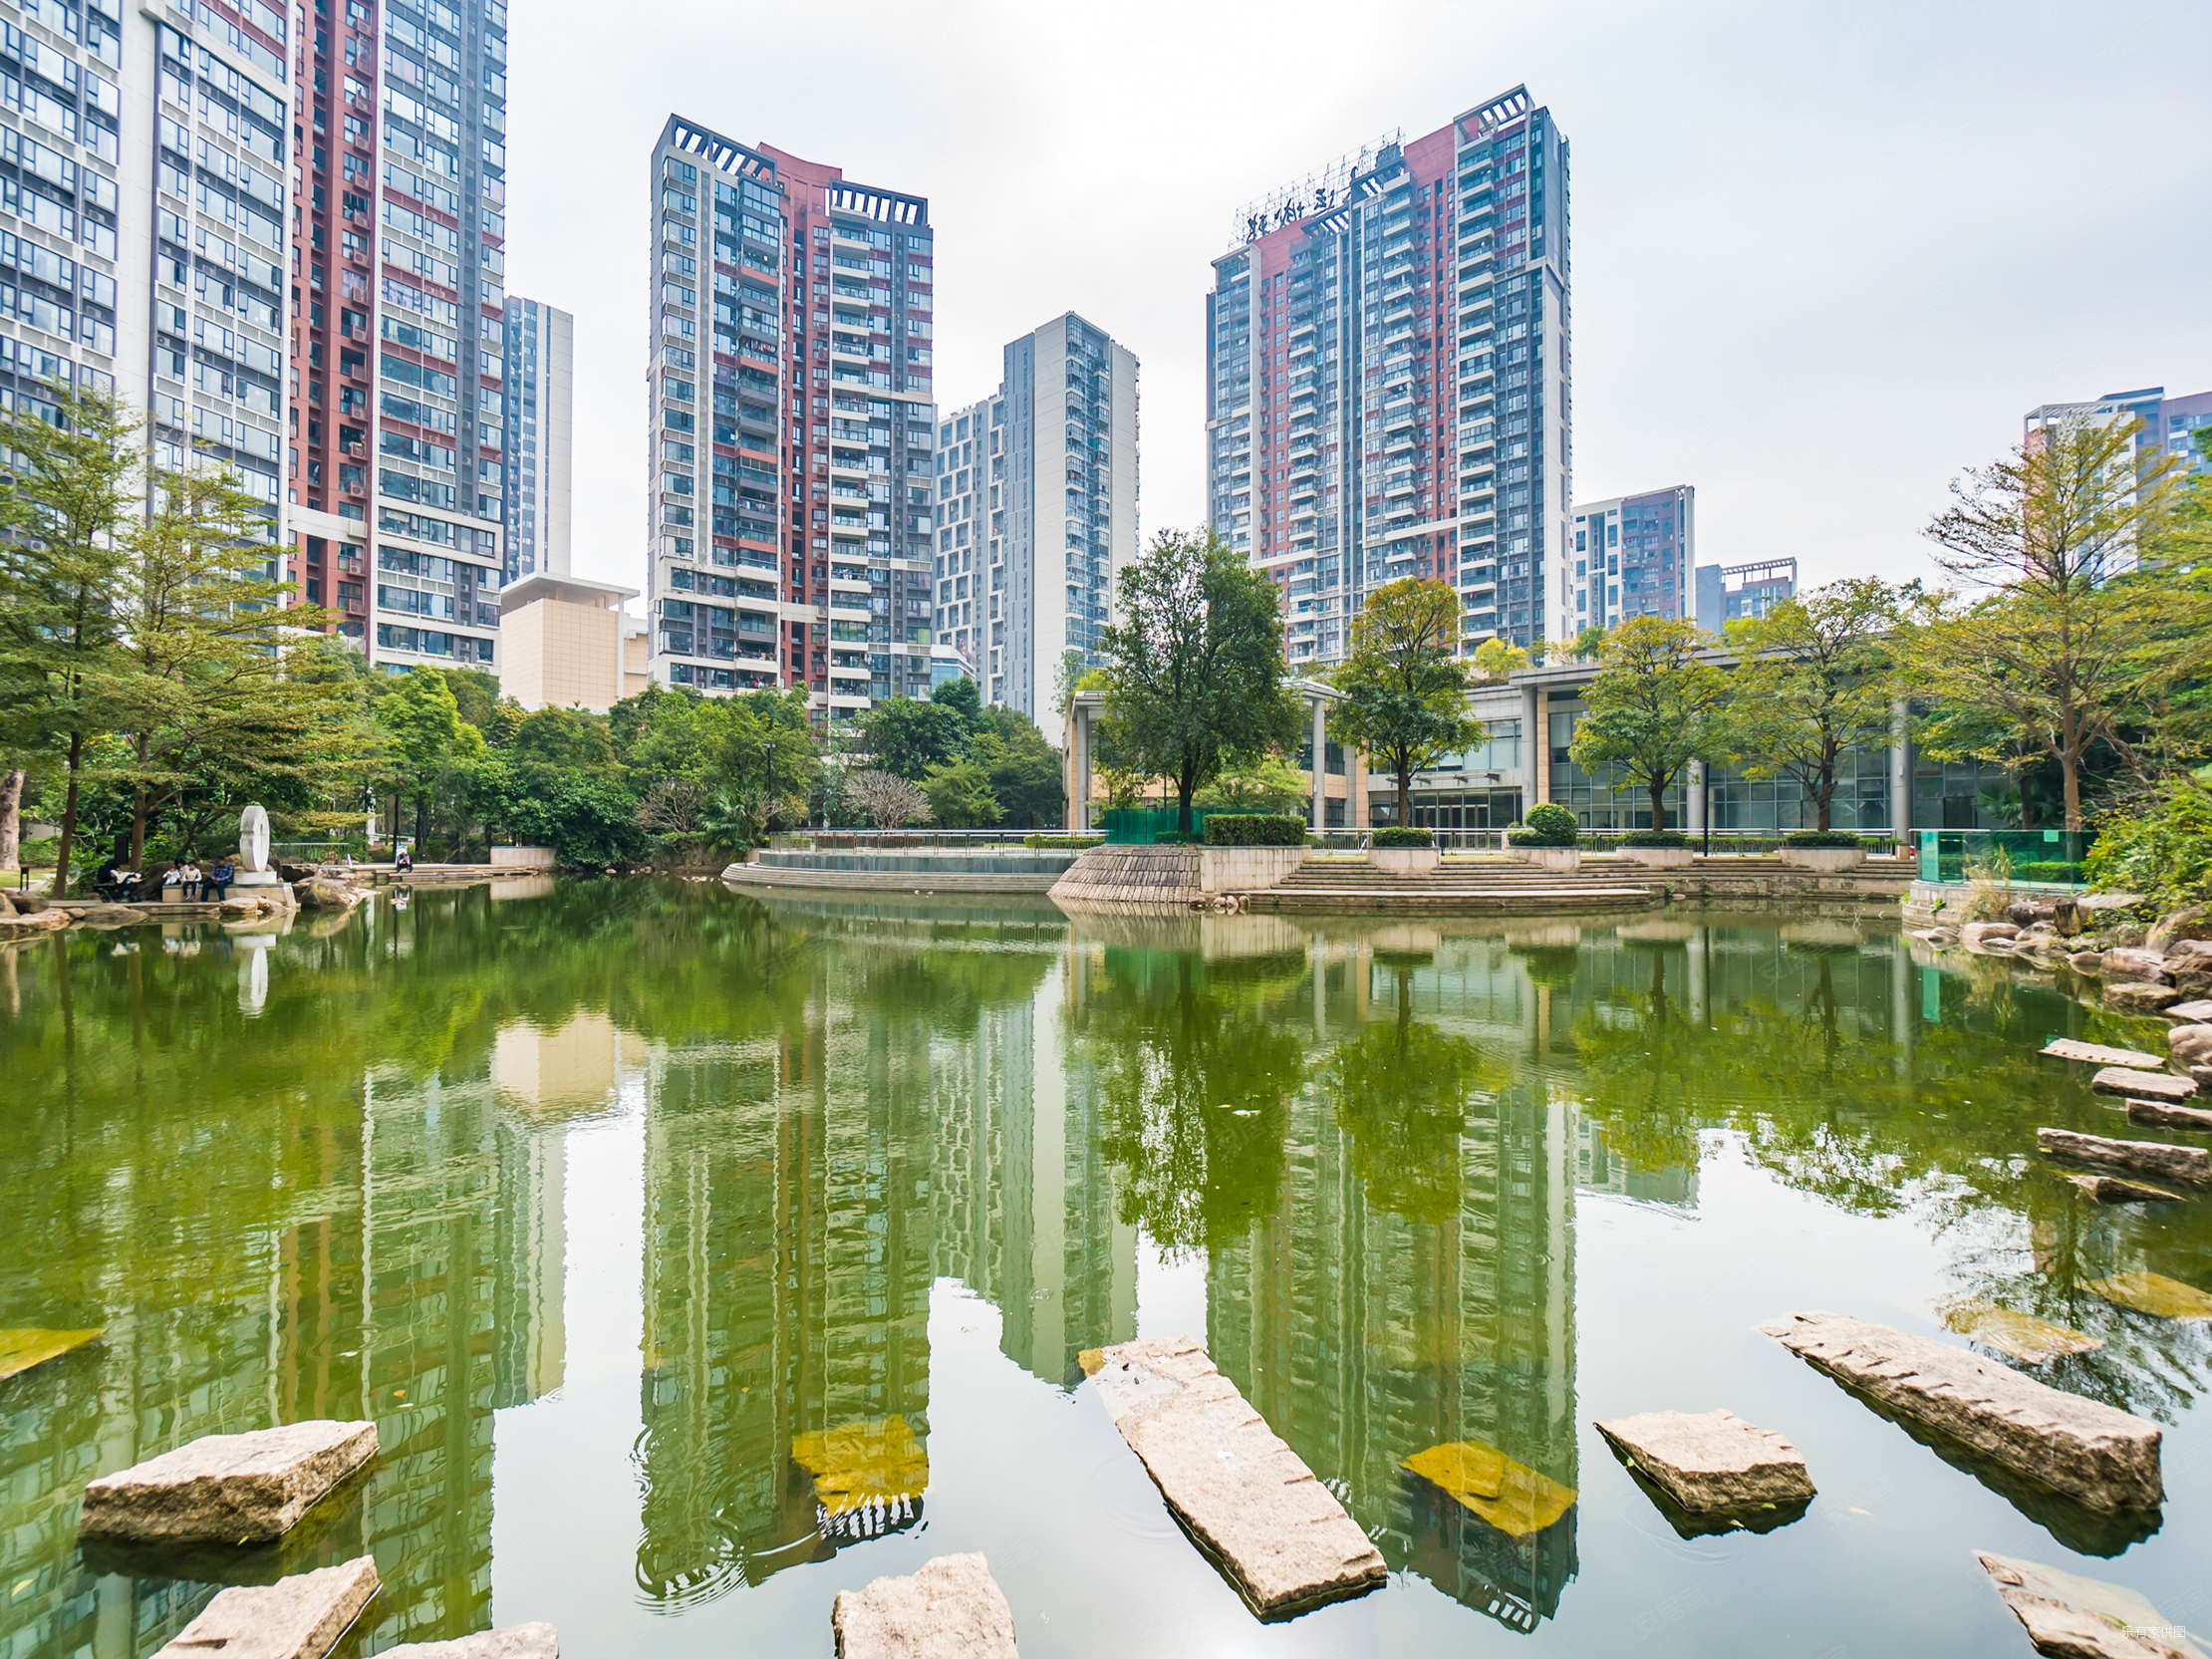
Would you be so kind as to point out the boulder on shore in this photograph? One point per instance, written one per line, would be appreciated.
(1711, 1460)
(2091, 1452)
(951, 1609)
(2193, 923)
(300, 1617)
(2192, 1049)
(227, 1489)
(33, 923)
(2139, 996)
(326, 893)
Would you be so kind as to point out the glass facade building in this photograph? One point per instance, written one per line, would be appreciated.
(791, 447)
(1388, 380)
(540, 413)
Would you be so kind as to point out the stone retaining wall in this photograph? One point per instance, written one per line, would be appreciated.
(1156, 878)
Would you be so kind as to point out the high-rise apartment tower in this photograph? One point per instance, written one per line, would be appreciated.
(1387, 389)
(792, 437)
(1036, 508)
(1631, 557)
(397, 426)
(541, 399)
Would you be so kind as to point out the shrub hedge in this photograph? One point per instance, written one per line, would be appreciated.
(1820, 838)
(1548, 825)
(1254, 829)
(1655, 838)
(1403, 835)
(1063, 843)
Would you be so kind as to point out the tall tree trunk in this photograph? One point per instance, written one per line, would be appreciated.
(1822, 801)
(1405, 795)
(1658, 804)
(11, 820)
(69, 818)
(138, 805)
(2070, 765)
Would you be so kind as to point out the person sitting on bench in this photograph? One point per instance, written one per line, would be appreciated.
(219, 879)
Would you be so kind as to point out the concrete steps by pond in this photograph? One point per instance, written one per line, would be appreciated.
(1461, 885)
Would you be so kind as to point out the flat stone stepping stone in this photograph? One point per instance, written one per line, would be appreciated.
(2084, 1618)
(2183, 1166)
(227, 1489)
(2190, 1013)
(952, 1609)
(1245, 1494)
(1712, 1460)
(1517, 1500)
(2096, 1054)
(2152, 1293)
(2146, 1085)
(300, 1617)
(2169, 1117)
(2091, 1452)
(2021, 1336)
(2117, 1189)
(516, 1641)
(21, 1349)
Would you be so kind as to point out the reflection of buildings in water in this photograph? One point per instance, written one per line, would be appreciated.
(786, 1295)
(1366, 1339)
(1599, 1169)
(1025, 1212)
(571, 1070)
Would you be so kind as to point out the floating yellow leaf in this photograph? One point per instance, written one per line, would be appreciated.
(1512, 1496)
(21, 1349)
(863, 1462)
(2023, 1336)
(2154, 1294)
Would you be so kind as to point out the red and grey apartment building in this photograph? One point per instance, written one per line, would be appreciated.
(1388, 372)
(791, 444)
(397, 468)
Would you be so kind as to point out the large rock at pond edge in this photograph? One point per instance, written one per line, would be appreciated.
(1244, 1494)
(2140, 998)
(2091, 1452)
(2185, 1166)
(34, 922)
(2130, 961)
(1976, 933)
(951, 1609)
(109, 915)
(516, 1641)
(300, 1617)
(2191, 1047)
(227, 1489)
(1712, 1460)
(2072, 1617)
(323, 893)
(2143, 1085)
(2168, 930)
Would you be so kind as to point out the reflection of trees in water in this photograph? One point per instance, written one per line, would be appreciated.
(1843, 1089)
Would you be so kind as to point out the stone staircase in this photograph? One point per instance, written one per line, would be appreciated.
(1465, 885)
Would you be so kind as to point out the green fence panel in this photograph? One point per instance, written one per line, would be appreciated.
(2043, 858)
(1143, 826)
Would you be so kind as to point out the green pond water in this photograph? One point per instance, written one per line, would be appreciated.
(698, 1257)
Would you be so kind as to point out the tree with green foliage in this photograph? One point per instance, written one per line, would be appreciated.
(1655, 705)
(1196, 671)
(1404, 684)
(1820, 676)
(1067, 678)
(1498, 659)
(2078, 557)
(68, 494)
(2160, 845)
(1023, 769)
(1265, 784)
(1588, 641)
(572, 738)
(417, 713)
(908, 735)
(960, 795)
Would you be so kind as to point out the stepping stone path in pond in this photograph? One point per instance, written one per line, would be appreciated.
(2097, 1454)
(2148, 1085)
(1712, 1460)
(21, 1349)
(516, 1641)
(227, 1489)
(1244, 1494)
(2163, 1116)
(2181, 1166)
(952, 1609)
(2021, 1336)
(2152, 1293)
(2096, 1054)
(2084, 1618)
(300, 1617)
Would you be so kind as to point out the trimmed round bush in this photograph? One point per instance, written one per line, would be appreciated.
(1254, 829)
(1548, 825)
(1820, 838)
(1655, 838)
(1402, 835)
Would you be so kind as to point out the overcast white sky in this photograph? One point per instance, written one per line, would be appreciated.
(1824, 256)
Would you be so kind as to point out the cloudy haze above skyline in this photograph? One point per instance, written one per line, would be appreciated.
(1823, 258)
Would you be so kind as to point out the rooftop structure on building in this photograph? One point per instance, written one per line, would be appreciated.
(398, 461)
(1388, 370)
(1739, 593)
(561, 643)
(2169, 425)
(791, 447)
(1632, 557)
(1036, 512)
